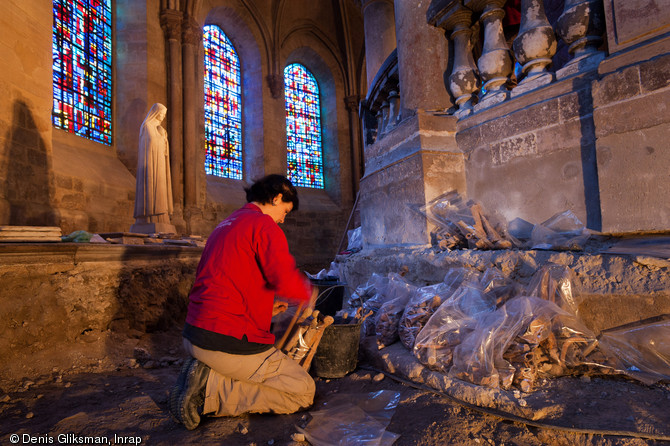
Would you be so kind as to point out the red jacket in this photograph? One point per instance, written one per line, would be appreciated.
(246, 262)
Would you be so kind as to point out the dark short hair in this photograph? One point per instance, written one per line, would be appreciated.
(267, 188)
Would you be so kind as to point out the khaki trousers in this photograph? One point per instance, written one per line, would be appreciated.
(260, 383)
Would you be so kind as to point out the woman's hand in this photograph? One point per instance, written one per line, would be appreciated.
(279, 307)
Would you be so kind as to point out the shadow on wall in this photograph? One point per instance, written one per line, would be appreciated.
(152, 298)
(27, 196)
(589, 162)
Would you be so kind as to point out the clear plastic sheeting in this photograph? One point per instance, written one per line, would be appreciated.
(561, 232)
(480, 357)
(354, 420)
(426, 300)
(332, 273)
(355, 240)
(397, 294)
(557, 284)
(451, 323)
(640, 350)
(463, 224)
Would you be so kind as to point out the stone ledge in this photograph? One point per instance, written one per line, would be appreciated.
(616, 289)
(541, 406)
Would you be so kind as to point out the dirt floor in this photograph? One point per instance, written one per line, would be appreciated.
(127, 402)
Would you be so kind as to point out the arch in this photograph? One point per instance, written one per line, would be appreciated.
(82, 69)
(251, 66)
(302, 46)
(223, 105)
(304, 157)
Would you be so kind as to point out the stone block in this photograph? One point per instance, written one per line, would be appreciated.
(633, 175)
(23, 137)
(580, 65)
(385, 196)
(490, 100)
(442, 173)
(469, 138)
(630, 22)
(574, 133)
(575, 105)
(655, 74)
(616, 86)
(529, 187)
(639, 113)
(532, 83)
(74, 201)
(521, 121)
(515, 147)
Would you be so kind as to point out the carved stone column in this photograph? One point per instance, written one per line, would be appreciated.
(191, 38)
(534, 46)
(380, 124)
(171, 24)
(385, 120)
(423, 58)
(581, 26)
(380, 39)
(495, 63)
(394, 110)
(464, 79)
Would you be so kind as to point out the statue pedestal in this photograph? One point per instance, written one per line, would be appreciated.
(153, 228)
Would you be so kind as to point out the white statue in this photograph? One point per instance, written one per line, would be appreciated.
(153, 190)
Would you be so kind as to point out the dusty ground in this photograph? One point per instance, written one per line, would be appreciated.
(99, 398)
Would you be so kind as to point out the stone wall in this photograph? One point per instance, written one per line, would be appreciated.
(414, 163)
(51, 177)
(534, 156)
(56, 296)
(632, 124)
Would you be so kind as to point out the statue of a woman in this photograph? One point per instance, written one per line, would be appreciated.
(153, 190)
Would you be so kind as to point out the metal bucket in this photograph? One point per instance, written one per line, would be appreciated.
(337, 354)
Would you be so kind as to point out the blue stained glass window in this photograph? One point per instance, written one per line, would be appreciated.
(223, 106)
(303, 127)
(82, 68)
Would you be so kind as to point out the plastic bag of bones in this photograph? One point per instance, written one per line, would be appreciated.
(463, 224)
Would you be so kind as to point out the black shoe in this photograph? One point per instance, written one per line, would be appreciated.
(188, 395)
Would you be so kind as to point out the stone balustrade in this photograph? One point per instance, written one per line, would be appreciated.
(581, 26)
(380, 111)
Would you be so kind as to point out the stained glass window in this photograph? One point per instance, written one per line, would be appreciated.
(303, 127)
(82, 68)
(223, 108)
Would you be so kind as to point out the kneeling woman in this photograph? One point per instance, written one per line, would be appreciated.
(235, 367)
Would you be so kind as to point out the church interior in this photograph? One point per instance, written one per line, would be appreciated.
(381, 112)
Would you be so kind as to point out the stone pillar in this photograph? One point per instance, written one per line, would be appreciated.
(191, 37)
(534, 46)
(464, 78)
(581, 26)
(385, 118)
(423, 57)
(495, 64)
(380, 39)
(171, 24)
(355, 140)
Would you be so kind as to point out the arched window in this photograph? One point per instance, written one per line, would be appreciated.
(82, 68)
(223, 107)
(303, 127)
